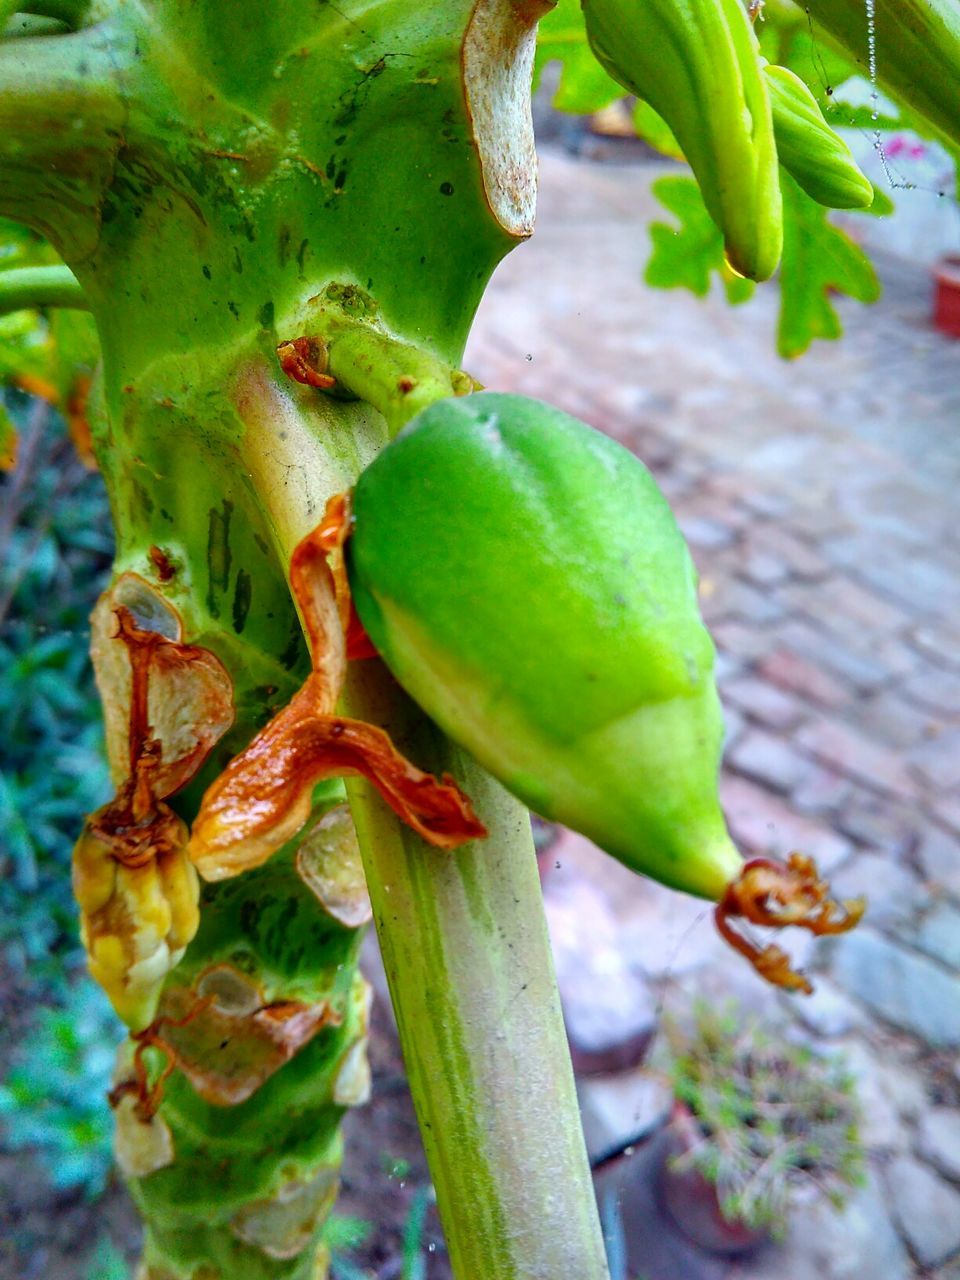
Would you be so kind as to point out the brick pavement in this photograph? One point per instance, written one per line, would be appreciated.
(819, 499)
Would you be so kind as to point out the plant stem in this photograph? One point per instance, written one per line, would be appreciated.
(397, 377)
(26, 287)
(464, 943)
(471, 976)
(53, 175)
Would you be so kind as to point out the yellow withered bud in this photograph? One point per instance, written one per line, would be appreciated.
(168, 703)
(138, 896)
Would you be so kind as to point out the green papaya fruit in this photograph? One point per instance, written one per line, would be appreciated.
(526, 582)
(819, 159)
(697, 63)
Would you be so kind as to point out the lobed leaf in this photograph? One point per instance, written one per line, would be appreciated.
(819, 259)
(686, 256)
(584, 85)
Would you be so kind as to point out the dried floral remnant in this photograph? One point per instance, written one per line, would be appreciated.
(189, 700)
(141, 1145)
(331, 535)
(329, 863)
(138, 894)
(352, 1085)
(161, 561)
(263, 797)
(284, 1225)
(188, 692)
(305, 360)
(770, 893)
(147, 1094)
(228, 1050)
(314, 589)
(137, 890)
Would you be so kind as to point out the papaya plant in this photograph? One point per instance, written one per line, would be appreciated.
(362, 611)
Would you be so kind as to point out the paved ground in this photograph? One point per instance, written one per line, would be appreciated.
(819, 498)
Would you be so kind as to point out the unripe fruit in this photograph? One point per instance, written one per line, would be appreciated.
(556, 632)
(525, 580)
(696, 62)
(819, 159)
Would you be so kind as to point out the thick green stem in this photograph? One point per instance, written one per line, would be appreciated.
(40, 287)
(471, 975)
(61, 125)
(351, 344)
(205, 168)
(465, 947)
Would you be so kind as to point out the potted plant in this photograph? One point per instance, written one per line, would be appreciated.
(946, 297)
(757, 1123)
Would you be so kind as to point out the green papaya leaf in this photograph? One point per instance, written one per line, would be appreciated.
(27, 351)
(818, 259)
(845, 115)
(584, 85)
(654, 130)
(686, 256)
(51, 354)
(20, 247)
(811, 54)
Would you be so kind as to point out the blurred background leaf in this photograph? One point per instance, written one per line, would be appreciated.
(56, 545)
(52, 1100)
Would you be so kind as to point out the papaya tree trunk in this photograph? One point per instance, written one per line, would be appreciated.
(205, 170)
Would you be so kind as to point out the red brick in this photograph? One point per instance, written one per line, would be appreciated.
(701, 532)
(768, 760)
(804, 560)
(764, 702)
(822, 791)
(764, 569)
(762, 823)
(764, 502)
(723, 597)
(892, 890)
(859, 757)
(939, 858)
(845, 606)
(948, 812)
(733, 726)
(915, 579)
(937, 762)
(896, 721)
(727, 667)
(865, 671)
(872, 822)
(941, 644)
(790, 671)
(935, 690)
(818, 522)
(714, 508)
(741, 640)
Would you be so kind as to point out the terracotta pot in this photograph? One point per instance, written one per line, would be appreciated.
(691, 1200)
(946, 296)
